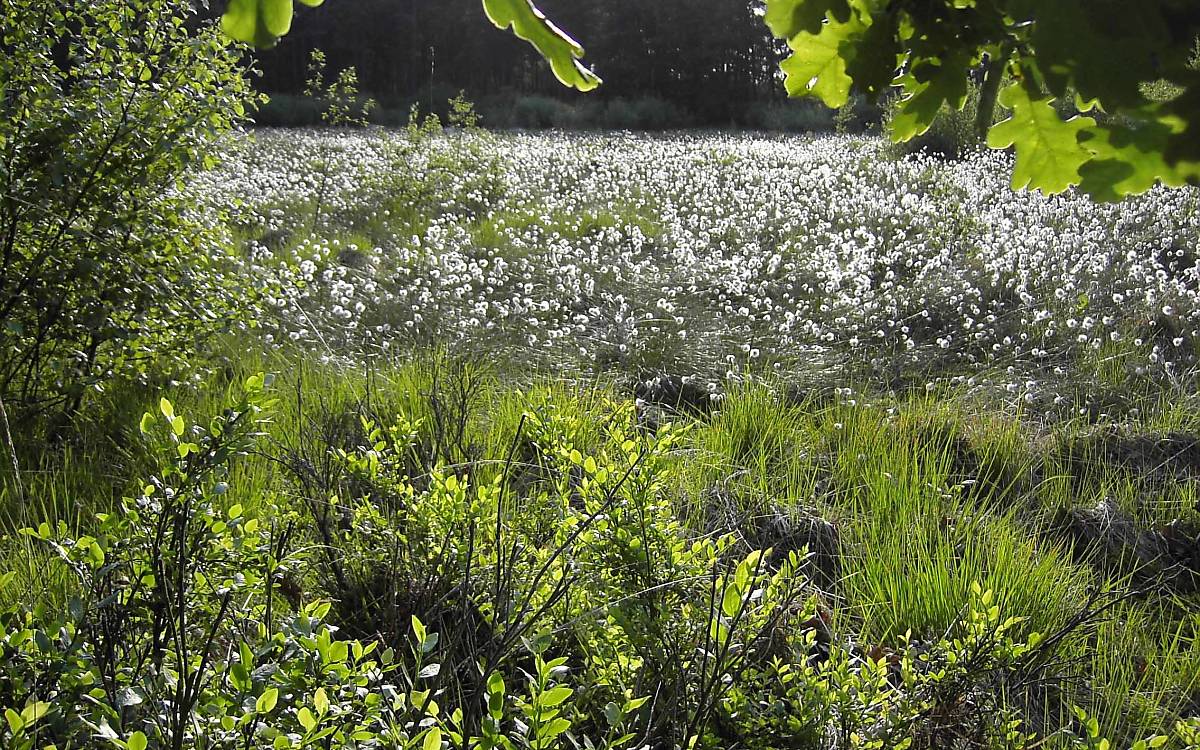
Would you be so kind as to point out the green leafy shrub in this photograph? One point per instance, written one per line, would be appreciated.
(288, 111)
(462, 113)
(105, 270)
(185, 632)
(338, 100)
(951, 135)
(642, 113)
(539, 112)
(554, 571)
(798, 116)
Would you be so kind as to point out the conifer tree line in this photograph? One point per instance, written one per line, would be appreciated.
(711, 62)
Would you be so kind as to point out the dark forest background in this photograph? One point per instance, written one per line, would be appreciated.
(665, 63)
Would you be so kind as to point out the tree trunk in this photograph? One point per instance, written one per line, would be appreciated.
(986, 113)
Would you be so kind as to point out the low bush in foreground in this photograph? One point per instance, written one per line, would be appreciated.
(441, 561)
(106, 272)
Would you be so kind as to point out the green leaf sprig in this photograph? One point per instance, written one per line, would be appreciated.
(1050, 63)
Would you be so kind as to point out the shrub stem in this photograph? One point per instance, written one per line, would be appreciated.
(12, 455)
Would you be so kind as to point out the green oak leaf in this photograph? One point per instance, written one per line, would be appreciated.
(260, 22)
(561, 51)
(818, 62)
(877, 55)
(787, 18)
(1049, 154)
(1127, 160)
(929, 86)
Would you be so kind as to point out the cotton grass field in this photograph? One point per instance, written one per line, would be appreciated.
(780, 442)
(824, 261)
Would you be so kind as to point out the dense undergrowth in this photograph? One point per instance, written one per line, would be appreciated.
(598, 571)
